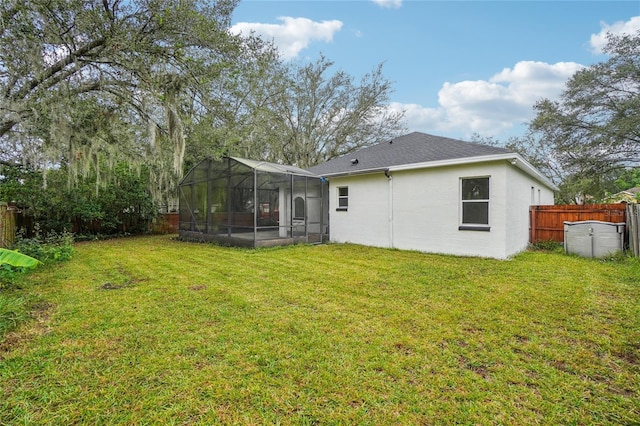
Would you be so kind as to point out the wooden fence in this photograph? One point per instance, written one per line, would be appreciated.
(633, 228)
(546, 223)
(7, 225)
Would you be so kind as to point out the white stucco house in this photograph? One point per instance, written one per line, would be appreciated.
(434, 194)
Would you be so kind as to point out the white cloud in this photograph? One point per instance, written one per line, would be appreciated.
(490, 107)
(292, 35)
(599, 40)
(390, 4)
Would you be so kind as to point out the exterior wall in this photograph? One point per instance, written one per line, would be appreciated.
(523, 192)
(367, 219)
(421, 210)
(427, 211)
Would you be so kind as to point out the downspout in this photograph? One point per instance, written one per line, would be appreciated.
(390, 180)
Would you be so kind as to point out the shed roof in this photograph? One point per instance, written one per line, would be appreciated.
(413, 148)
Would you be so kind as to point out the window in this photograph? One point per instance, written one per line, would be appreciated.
(298, 208)
(475, 204)
(343, 198)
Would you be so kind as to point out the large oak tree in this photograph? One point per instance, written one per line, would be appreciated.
(593, 130)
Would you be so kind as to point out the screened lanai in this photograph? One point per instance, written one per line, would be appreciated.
(249, 203)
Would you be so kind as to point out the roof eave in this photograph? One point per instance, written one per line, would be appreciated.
(514, 158)
(354, 172)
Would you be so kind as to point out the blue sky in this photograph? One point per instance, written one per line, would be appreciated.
(457, 67)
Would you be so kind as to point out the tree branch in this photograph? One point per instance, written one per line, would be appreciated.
(58, 67)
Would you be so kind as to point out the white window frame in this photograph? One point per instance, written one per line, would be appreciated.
(339, 198)
(474, 226)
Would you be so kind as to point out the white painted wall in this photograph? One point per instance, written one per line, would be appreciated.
(367, 219)
(522, 192)
(425, 210)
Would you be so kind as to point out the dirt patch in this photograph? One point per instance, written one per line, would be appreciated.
(630, 354)
(198, 287)
(37, 326)
(110, 286)
(480, 368)
(402, 348)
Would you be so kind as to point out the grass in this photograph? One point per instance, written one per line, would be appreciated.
(156, 331)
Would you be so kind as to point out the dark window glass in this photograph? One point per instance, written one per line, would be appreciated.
(475, 213)
(475, 201)
(475, 189)
(343, 197)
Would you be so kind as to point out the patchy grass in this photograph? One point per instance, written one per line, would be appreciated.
(151, 330)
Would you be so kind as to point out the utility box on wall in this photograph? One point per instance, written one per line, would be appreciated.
(593, 238)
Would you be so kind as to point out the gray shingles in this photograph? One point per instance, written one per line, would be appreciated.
(415, 147)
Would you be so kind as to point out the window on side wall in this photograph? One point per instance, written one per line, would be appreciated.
(343, 198)
(474, 204)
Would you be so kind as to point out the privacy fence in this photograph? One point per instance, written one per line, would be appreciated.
(547, 222)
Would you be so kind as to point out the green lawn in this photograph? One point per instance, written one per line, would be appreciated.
(155, 331)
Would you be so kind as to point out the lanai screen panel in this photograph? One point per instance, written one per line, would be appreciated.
(193, 198)
(270, 189)
(244, 202)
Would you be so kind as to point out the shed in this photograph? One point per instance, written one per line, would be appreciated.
(240, 202)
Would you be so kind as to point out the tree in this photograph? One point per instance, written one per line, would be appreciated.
(85, 85)
(593, 131)
(55, 50)
(125, 206)
(308, 117)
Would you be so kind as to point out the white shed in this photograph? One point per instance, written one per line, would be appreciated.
(434, 194)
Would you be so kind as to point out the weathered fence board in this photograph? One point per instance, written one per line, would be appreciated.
(7, 226)
(546, 223)
(633, 217)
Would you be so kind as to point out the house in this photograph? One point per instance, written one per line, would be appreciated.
(434, 194)
(631, 195)
(240, 202)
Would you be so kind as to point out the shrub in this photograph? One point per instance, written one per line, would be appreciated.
(52, 247)
(9, 274)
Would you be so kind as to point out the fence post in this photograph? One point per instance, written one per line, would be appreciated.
(7, 226)
(632, 226)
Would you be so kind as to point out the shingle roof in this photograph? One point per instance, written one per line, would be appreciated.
(413, 148)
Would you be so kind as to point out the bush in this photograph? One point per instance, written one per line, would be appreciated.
(54, 247)
(9, 275)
